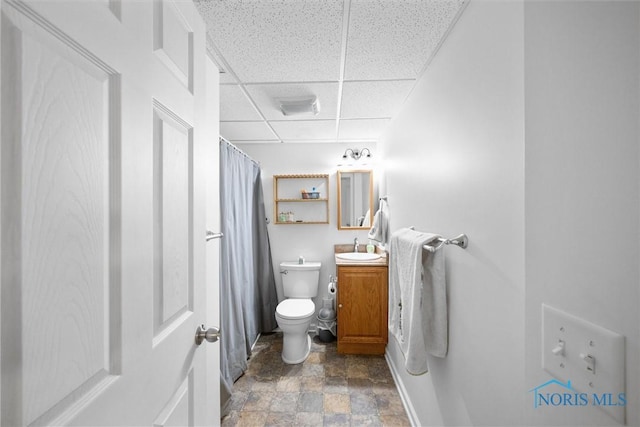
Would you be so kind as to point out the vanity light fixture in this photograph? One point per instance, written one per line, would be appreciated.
(356, 153)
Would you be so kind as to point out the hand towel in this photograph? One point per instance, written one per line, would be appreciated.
(434, 303)
(380, 229)
(417, 298)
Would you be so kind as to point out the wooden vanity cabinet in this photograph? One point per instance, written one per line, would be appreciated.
(362, 304)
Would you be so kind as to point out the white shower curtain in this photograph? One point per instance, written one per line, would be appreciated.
(248, 296)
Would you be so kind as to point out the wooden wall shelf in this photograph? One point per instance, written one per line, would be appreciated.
(289, 206)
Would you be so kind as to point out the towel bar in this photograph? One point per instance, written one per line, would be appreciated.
(462, 240)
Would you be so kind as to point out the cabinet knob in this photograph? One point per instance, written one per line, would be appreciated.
(339, 305)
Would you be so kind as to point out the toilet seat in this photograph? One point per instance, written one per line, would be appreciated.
(295, 308)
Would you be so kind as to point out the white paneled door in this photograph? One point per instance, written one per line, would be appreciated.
(104, 164)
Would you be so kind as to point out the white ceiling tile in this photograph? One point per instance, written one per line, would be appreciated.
(361, 129)
(395, 39)
(305, 129)
(265, 97)
(287, 48)
(234, 104)
(374, 99)
(247, 131)
(287, 40)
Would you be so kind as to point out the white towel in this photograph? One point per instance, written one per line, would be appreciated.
(380, 229)
(417, 298)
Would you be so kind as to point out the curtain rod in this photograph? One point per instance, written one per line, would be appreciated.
(222, 139)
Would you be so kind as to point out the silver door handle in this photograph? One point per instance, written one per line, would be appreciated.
(211, 334)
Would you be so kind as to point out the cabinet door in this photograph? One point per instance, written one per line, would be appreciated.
(362, 310)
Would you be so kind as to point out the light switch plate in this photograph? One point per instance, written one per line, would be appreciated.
(601, 384)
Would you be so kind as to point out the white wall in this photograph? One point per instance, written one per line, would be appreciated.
(454, 163)
(582, 242)
(313, 241)
(476, 137)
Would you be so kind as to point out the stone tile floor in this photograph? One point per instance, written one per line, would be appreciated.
(327, 389)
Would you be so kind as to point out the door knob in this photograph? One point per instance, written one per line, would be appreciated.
(211, 334)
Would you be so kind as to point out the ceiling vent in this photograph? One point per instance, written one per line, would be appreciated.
(297, 106)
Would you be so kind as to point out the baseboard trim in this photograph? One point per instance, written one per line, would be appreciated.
(404, 396)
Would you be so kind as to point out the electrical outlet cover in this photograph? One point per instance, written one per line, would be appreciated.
(604, 385)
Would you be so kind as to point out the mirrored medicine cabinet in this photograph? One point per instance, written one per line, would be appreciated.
(355, 199)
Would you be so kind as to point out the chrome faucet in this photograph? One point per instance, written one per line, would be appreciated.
(355, 245)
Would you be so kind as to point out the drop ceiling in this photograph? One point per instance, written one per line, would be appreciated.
(360, 58)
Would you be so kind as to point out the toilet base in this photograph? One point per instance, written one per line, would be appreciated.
(291, 349)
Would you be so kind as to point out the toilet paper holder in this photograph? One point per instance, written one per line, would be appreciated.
(331, 287)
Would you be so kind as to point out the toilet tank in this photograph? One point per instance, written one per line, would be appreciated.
(300, 280)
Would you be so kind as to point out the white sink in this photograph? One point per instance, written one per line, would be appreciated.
(358, 256)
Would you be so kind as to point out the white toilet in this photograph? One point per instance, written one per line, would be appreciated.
(294, 314)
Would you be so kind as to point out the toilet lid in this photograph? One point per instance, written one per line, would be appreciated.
(295, 308)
